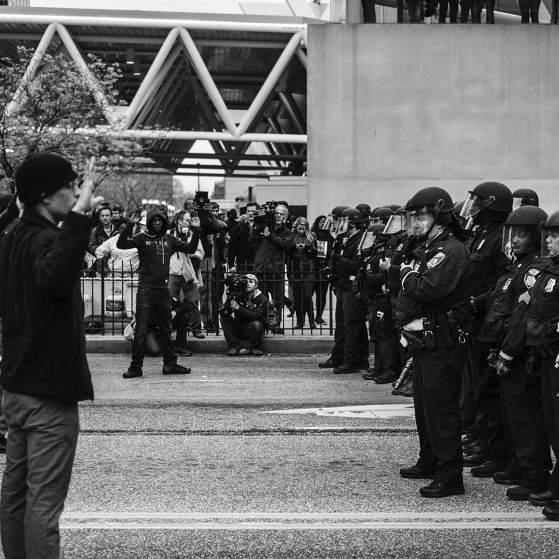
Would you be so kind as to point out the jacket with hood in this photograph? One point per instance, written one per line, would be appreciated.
(155, 250)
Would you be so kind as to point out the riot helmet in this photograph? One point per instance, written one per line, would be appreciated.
(396, 222)
(428, 207)
(331, 223)
(488, 201)
(351, 217)
(550, 236)
(381, 215)
(522, 231)
(524, 197)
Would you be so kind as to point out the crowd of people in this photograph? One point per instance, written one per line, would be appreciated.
(463, 11)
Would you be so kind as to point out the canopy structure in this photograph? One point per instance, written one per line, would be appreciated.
(238, 82)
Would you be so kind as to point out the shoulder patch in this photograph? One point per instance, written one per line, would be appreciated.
(530, 277)
(506, 285)
(550, 285)
(436, 260)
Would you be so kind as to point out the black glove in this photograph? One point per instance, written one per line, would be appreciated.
(492, 358)
(503, 367)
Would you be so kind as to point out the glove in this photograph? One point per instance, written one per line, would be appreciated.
(503, 367)
(492, 358)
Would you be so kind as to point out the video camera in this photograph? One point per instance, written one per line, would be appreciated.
(236, 291)
(264, 216)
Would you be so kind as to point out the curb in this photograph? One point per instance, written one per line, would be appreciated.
(216, 344)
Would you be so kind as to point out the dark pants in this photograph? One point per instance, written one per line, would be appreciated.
(550, 402)
(414, 10)
(473, 7)
(529, 10)
(525, 424)
(554, 12)
(302, 284)
(237, 333)
(321, 293)
(369, 15)
(153, 308)
(42, 438)
(351, 342)
(437, 378)
(192, 316)
(443, 9)
(273, 284)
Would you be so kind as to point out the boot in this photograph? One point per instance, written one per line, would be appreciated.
(175, 369)
(133, 372)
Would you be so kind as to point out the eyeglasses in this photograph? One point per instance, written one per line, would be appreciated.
(280, 213)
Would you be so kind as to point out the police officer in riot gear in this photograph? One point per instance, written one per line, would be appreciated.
(350, 353)
(524, 197)
(542, 337)
(504, 327)
(487, 207)
(433, 312)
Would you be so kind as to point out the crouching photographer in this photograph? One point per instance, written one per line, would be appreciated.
(243, 315)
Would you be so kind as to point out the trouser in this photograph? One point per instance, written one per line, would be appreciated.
(153, 308)
(369, 15)
(550, 389)
(192, 315)
(42, 438)
(443, 9)
(207, 310)
(387, 352)
(524, 419)
(529, 11)
(351, 342)
(473, 6)
(321, 292)
(273, 284)
(554, 12)
(302, 286)
(436, 397)
(471, 377)
(237, 333)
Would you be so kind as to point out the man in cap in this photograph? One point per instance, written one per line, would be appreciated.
(243, 318)
(44, 371)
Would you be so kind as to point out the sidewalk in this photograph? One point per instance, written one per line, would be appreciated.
(216, 344)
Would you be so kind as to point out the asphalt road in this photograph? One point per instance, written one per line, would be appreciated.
(269, 457)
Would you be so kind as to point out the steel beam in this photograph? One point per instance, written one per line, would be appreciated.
(232, 156)
(270, 83)
(96, 89)
(151, 76)
(148, 23)
(31, 68)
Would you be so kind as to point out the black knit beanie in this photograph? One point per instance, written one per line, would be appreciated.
(42, 174)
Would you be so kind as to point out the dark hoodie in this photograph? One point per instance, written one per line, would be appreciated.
(155, 250)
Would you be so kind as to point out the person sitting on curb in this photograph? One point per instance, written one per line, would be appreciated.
(153, 300)
(243, 319)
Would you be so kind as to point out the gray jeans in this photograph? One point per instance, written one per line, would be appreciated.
(42, 438)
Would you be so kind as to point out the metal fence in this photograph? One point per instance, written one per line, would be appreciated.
(110, 300)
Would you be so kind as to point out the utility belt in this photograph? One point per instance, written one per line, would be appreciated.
(442, 331)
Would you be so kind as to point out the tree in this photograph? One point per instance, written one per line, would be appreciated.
(50, 109)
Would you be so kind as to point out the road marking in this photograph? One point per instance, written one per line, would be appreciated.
(304, 521)
(372, 411)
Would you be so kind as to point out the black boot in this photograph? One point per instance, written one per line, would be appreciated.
(133, 372)
(175, 369)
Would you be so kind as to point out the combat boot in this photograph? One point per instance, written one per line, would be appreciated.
(133, 372)
(175, 369)
(551, 510)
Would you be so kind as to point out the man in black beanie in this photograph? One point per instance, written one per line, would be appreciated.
(44, 370)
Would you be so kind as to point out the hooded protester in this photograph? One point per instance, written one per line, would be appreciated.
(153, 301)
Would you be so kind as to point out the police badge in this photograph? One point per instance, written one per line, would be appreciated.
(550, 285)
(530, 278)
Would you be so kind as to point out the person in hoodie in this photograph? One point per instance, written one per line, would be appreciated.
(153, 301)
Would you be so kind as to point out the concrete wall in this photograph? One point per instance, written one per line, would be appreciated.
(394, 108)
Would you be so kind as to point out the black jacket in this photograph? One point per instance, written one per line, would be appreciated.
(99, 236)
(346, 263)
(254, 309)
(241, 253)
(155, 251)
(42, 309)
(270, 251)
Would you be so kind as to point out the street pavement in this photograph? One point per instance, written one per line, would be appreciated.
(269, 457)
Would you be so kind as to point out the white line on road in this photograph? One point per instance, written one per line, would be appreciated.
(304, 521)
(370, 411)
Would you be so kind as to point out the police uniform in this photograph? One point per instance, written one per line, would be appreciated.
(542, 337)
(523, 418)
(351, 341)
(434, 297)
(481, 402)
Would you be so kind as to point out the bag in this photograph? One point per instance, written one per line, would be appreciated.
(271, 320)
(129, 330)
(152, 344)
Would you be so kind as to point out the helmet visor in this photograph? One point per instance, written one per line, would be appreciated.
(368, 239)
(519, 239)
(327, 224)
(395, 224)
(550, 241)
(516, 203)
(474, 204)
(419, 221)
(342, 225)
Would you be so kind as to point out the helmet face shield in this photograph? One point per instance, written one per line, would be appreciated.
(395, 224)
(419, 221)
(342, 226)
(327, 224)
(516, 203)
(550, 241)
(475, 204)
(519, 239)
(368, 239)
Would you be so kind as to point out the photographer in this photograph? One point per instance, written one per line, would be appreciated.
(243, 315)
(270, 238)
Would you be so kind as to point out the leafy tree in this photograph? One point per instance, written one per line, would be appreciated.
(52, 109)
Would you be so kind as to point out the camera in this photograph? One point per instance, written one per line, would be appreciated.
(265, 215)
(236, 291)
